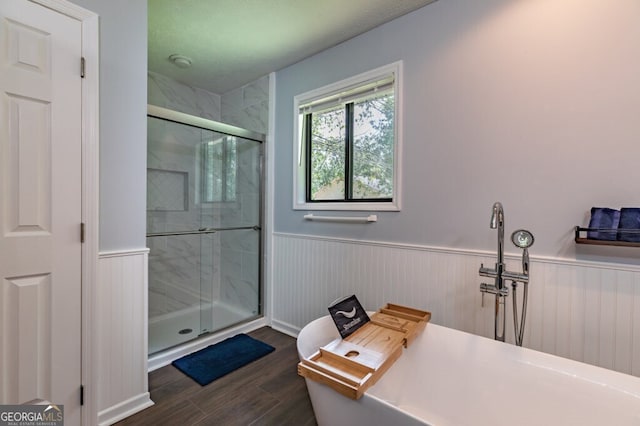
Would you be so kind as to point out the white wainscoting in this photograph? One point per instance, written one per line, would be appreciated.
(586, 311)
(121, 320)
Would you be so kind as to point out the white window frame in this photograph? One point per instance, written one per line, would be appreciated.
(299, 163)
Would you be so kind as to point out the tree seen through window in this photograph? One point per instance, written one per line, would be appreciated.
(350, 150)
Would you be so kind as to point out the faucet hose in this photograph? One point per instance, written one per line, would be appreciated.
(519, 330)
(524, 311)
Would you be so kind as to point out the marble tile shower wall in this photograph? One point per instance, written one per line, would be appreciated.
(247, 106)
(239, 270)
(181, 268)
(165, 92)
(239, 267)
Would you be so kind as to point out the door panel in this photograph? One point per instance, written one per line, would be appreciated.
(40, 206)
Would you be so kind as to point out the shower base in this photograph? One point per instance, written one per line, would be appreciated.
(169, 330)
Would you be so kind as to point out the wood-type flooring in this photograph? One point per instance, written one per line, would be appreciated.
(266, 392)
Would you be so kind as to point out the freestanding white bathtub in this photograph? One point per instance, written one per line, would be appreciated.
(448, 377)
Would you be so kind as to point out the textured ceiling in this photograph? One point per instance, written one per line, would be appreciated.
(234, 42)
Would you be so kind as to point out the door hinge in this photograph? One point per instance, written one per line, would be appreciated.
(82, 67)
(81, 394)
(82, 227)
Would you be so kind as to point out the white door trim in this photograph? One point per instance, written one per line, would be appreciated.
(90, 190)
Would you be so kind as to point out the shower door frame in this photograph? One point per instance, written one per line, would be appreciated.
(229, 130)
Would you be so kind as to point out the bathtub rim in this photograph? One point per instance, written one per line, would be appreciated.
(579, 370)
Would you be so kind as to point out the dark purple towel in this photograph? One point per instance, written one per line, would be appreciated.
(629, 220)
(603, 218)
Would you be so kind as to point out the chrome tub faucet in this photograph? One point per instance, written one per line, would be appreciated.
(522, 239)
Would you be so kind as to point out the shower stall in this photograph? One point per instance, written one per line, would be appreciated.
(204, 226)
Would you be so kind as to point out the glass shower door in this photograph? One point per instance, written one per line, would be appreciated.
(204, 203)
(231, 194)
(173, 237)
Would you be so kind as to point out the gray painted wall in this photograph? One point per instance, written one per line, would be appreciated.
(534, 104)
(123, 128)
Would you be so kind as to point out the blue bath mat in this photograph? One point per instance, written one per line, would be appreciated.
(215, 361)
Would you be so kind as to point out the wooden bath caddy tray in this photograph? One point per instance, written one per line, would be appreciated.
(351, 365)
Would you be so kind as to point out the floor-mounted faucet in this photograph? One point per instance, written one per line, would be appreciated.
(522, 239)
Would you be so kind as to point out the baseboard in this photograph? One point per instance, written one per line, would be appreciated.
(286, 328)
(167, 357)
(124, 409)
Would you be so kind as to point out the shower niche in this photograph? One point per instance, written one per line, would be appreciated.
(204, 226)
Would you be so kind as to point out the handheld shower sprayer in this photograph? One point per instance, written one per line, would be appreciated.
(523, 239)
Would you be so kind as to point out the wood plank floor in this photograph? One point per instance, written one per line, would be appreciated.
(266, 392)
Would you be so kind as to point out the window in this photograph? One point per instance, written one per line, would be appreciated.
(348, 146)
(219, 160)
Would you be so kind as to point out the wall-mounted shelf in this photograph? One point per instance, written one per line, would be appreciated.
(584, 240)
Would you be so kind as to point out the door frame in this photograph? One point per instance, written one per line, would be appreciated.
(90, 199)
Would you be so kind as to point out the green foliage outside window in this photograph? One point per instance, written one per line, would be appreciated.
(219, 170)
(351, 150)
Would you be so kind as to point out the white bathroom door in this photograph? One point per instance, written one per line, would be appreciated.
(40, 207)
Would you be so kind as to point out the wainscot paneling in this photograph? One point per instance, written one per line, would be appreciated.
(586, 311)
(121, 319)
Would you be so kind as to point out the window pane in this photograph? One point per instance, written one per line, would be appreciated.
(213, 155)
(219, 167)
(328, 155)
(373, 136)
(347, 144)
(231, 160)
